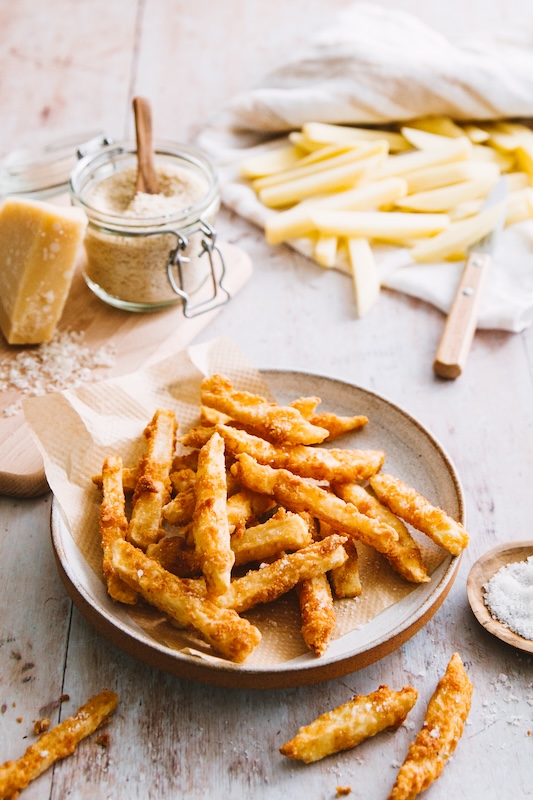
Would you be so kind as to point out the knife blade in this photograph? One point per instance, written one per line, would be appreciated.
(460, 326)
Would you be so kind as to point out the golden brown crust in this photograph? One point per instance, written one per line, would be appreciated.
(281, 424)
(338, 426)
(351, 723)
(55, 744)
(307, 462)
(318, 613)
(230, 635)
(408, 504)
(113, 525)
(404, 555)
(152, 490)
(297, 494)
(210, 529)
(446, 715)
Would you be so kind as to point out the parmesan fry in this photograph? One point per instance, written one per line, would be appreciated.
(338, 426)
(232, 636)
(55, 744)
(351, 723)
(318, 613)
(306, 405)
(298, 495)
(273, 580)
(283, 532)
(210, 527)
(280, 424)
(345, 580)
(180, 509)
(418, 512)
(129, 479)
(307, 462)
(443, 726)
(152, 490)
(404, 556)
(113, 526)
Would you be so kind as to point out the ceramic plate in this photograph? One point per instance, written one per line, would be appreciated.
(412, 453)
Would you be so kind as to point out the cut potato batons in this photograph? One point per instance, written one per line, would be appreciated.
(386, 225)
(152, 490)
(55, 744)
(446, 715)
(448, 150)
(327, 133)
(230, 635)
(270, 161)
(351, 723)
(365, 274)
(447, 197)
(281, 424)
(459, 236)
(407, 503)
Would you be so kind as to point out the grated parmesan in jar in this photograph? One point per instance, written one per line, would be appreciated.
(509, 597)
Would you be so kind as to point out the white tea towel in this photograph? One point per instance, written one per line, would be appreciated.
(375, 66)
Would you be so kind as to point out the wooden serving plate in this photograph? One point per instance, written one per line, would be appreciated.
(136, 339)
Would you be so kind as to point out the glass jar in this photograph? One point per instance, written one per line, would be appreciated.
(145, 252)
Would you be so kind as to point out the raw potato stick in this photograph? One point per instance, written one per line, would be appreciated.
(210, 527)
(308, 462)
(443, 726)
(113, 526)
(57, 743)
(280, 424)
(152, 490)
(297, 494)
(408, 504)
(231, 635)
(351, 723)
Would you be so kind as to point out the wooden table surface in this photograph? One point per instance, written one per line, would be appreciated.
(68, 66)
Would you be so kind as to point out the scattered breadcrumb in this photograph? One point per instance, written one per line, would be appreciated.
(343, 790)
(104, 740)
(41, 725)
(63, 363)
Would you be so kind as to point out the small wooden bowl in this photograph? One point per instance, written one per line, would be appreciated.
(481, 572)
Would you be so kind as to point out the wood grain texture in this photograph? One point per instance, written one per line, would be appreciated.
(76, 65)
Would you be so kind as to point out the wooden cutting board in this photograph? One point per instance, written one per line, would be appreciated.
(135, 339)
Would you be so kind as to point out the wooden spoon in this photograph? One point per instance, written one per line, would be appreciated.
(147, 180)
(482, 571)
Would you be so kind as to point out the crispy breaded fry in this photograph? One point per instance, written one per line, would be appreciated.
(306, 405)
(183, 479)
(443, 726)
(210, 527)
(318, 613)
(308, 462)
(231, 635)
(297, 494)
(351, 723)
(129, 479)
(152, 490)
(338, 426)
(180, 509)
(55, 744)
(113, 525)
(185, 461)
(345, 580)
(281, 424)
(404, 556)
(273, 580)
(284, 531)
(418, 512)
(210, 416)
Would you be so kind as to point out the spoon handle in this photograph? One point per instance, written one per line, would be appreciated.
(147, 180)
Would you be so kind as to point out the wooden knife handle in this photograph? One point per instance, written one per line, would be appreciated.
(460, 325)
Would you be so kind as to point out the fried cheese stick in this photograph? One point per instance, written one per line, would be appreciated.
(210, 529)
(55, 744)
(232, 636)
(351, 723)
(307, 462)
(404, 556)
(298, 494)
(408, 504)
(281, 424)
(273, 580)
(446, 715)
(113, 525)
(152, 490)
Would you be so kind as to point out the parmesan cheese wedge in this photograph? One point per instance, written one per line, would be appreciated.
(39, 247)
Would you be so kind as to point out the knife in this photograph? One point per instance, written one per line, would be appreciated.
(460, 326)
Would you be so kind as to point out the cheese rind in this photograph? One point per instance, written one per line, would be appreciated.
(39, 248)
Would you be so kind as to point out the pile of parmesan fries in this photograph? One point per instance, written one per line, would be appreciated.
(254, 490)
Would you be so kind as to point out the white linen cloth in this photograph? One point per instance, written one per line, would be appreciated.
(376, 65)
